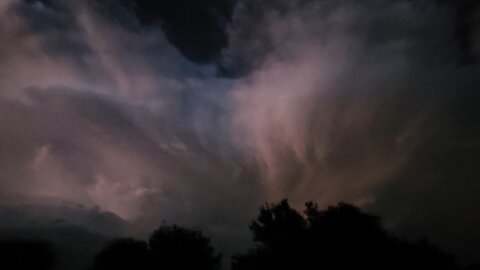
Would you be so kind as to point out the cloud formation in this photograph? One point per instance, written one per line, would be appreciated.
(364, 102)
(368, 102)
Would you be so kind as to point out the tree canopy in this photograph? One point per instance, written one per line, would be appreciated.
(339, 237)
(169, 247)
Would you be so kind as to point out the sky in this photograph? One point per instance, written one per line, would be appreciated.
(120, 115)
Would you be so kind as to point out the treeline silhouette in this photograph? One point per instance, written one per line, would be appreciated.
(169, 247)
(339, 237)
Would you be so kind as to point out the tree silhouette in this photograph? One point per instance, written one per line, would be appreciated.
(174, 247)
(169, 247)
(124, 253)
(278, 226)
(340, 237)
(20, 254)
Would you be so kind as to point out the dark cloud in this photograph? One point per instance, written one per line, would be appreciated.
(75, 233)
(466, 23)
(196, 28)
(436, 193)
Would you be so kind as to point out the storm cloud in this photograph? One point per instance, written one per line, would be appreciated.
(116, 111)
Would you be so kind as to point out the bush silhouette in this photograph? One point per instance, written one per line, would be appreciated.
(20, 254)
(340, 237)
(169, 247)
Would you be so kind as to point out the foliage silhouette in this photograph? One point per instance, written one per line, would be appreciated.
(174, 247)
(124, 253)
(169, 247)
(20, 254)
(340, 237)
